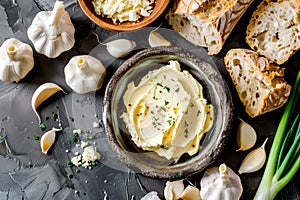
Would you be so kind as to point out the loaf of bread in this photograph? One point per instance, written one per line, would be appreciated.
(259, 83)
(206, 23)
(274, 29)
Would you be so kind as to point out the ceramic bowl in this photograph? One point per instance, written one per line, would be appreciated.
(149, 163)
(159, 8)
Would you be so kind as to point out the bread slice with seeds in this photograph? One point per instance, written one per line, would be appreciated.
(274, 29)
(260, 84)
(206, 23)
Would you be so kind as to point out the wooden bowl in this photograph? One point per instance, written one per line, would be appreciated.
(88, 9)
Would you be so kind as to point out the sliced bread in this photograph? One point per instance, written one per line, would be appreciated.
(259, 83)
(274, 29)
(206, 23)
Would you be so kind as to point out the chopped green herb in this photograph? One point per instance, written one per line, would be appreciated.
(77, 171)
(64, 132)
(29, 165)
(69, 142)
(47, 118)
(169, 122)
(36, 137)
(56, 107)
(82, 116)
(89, 137)
(42, 126)
(177, 90)
(70, 164)
(198, 113)
(70, 176)
(74, 139)
(185, 124)
(84, 193)
(160, 85)
(94, 163)
(167, 88)
(163, 108)
(166, 102)
(54, 116)
(165, 77)
(71, 119)
(186, 131)
(75, 134)
(1, 136)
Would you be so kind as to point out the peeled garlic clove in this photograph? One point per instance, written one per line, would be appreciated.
(254, 160)
(173, 190)
(246, 136)
(42, 93)
(120, 48)
(156, 40)
(48, 139)
(190, 193)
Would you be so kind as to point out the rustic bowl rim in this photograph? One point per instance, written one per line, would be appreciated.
(125, 26)
(134, 163)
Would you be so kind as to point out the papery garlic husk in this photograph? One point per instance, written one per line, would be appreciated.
(41, 94)
(173, 189)
(120, 48)
(156, 40)
(190, 193)
(52, 32)
(255, 160)
(48, 139)
(246, 136)
(16, 60)
(151, 196)
(220, 183)
(84, 74)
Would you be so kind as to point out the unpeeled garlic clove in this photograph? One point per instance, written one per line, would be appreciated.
(156, 40)
(246, 136)
(48, 139)
(42, 93)
(173, 190)
(190, 193)
(120, 47)
(255, 160)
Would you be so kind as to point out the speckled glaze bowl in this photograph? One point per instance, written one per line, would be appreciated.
(149, 163)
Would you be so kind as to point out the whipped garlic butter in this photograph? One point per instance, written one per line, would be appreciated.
(167, 113)
(123, 10)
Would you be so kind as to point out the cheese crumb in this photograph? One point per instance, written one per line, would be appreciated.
(123, 10)
(96, 124)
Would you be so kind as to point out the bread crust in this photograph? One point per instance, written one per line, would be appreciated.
(256, 36)
(268, 78)
(221, 18)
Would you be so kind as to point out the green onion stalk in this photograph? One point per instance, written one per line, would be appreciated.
(284, 158)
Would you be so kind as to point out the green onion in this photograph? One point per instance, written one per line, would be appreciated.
(71, 119)
(284, 158)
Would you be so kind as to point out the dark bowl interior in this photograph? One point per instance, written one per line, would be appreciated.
(149, 163)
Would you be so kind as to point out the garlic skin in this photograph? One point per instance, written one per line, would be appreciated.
(220, 183)
(41, 94)
(190, 193)
(84, 74)
(48, 139)
(16, 60)
(255, 160)
(173, 190)
(120, 48)
(52, 32)
(156, 40)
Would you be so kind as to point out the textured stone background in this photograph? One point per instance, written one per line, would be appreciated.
(26, 173)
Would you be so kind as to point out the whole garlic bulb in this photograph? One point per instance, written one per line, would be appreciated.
(84, 74)
(52, 32)
(220, 183)
(16, 60)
